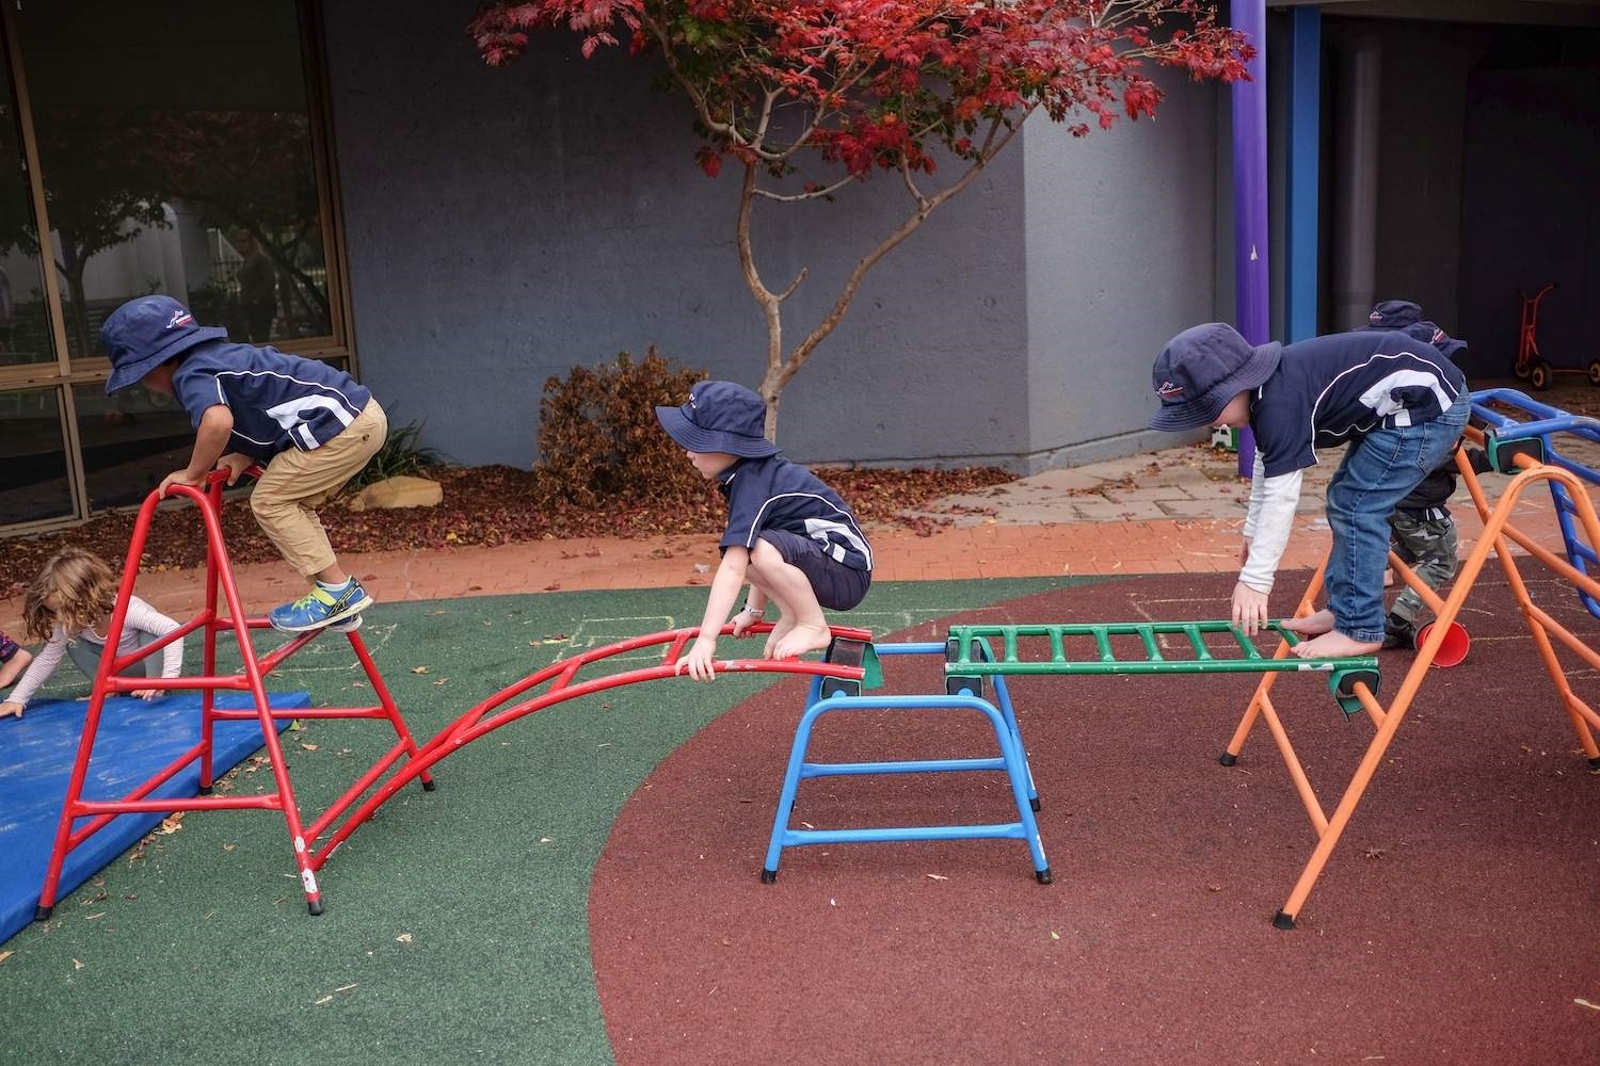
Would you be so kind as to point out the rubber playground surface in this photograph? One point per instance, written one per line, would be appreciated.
(583, 885)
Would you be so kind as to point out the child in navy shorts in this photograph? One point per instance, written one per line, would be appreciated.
(788, 534)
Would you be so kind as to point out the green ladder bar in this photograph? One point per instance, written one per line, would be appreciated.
(965, 641)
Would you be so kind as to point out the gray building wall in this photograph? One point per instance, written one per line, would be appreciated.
(1121, 239)
(505, 225)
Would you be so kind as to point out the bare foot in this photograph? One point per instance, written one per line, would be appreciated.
(1312, 625)
(780, 629)
(801, 639)
(1333, 645)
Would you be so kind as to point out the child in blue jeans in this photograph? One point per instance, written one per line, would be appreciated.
(1424, 533)
(1394, 403)
(788, 534)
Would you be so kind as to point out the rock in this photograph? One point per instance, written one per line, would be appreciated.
(398, 492)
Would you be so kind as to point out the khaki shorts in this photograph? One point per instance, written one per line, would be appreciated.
(297, 482)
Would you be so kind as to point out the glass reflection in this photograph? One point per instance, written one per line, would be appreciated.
(24, 318)
(130, 442)
(33, 457)
(200, 186)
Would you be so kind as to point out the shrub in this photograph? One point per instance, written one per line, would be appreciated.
(599, 441)
(401, 454)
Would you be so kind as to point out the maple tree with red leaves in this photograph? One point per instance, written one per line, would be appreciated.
(806, 97)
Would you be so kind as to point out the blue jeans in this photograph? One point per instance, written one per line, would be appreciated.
(1378, 471)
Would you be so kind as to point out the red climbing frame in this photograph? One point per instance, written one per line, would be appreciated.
(403, 763)
(219, 578)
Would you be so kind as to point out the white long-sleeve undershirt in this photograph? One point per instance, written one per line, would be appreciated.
(1269, 522)
(143, 623)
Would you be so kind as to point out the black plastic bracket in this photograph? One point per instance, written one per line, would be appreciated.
(843, 651)
(960, 684)
(1503, 451)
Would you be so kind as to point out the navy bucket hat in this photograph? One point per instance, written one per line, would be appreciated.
(721, 416)
(1406, 317)
(1204, 367)
(1394, 314)
(144, 333)
(1431, 333)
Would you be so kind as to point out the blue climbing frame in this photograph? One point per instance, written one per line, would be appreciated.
(1012, 760)
(1506, 437)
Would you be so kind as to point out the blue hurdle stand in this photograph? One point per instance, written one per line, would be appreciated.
(1012, 760)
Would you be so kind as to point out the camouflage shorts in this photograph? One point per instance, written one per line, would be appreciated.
(1429, 545)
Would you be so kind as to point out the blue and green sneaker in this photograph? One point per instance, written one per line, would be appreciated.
(321, 607)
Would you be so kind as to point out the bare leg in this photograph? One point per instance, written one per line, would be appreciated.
(333, 575)
(1312, 625)
(12, 668)
(802, 627)
(1333, 645)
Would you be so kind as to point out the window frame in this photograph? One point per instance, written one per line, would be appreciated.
(64, 373)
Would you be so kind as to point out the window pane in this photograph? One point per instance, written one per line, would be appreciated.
(33, 458)
(24, 322)
(130, 442)
(175, 151)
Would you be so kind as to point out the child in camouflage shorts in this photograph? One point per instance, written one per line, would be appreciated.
(1424, 535)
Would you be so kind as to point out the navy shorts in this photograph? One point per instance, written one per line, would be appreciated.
(838, 587)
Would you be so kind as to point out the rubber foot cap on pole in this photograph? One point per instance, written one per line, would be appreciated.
(42, 914)
(769, 876)
(429, 786)
(1035, 804)
(1227, 758)
(1044, 876)
(1453, 649)
(1283, 920)
(313, 907)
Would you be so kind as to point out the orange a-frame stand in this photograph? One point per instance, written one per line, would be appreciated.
(1497, 532)
(308, 856)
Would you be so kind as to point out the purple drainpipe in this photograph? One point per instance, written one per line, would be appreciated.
(1252, 281)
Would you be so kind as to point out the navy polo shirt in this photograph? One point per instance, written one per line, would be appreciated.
(278, 401)
(773, 493)
(1333, 389)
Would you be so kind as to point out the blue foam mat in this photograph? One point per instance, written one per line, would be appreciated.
(136, 740)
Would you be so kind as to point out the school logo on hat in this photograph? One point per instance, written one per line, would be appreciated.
(1394, 314)
(1203, 368)
(147, 331)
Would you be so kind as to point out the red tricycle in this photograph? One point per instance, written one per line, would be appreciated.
(1531, 365)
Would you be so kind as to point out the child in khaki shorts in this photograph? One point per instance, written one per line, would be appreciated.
(308, 423)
